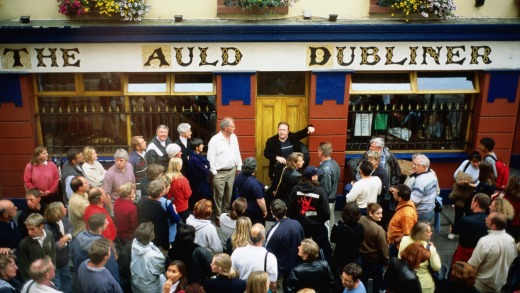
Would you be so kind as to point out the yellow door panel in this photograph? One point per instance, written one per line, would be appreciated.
(269, 112)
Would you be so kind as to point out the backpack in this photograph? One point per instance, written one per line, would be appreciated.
(502, 173)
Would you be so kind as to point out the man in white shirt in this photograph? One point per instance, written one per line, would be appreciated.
(254, 257)
(225, 161)
(42, 271)
(493, 255)
(365, 190)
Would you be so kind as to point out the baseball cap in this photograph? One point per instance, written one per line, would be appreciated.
(311, 171)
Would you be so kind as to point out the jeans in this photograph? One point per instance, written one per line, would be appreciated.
(63, 279)
(428, 216)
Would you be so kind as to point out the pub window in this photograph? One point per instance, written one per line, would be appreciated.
(105, 110)
(430, 111)
(192, 83)
(281, 83)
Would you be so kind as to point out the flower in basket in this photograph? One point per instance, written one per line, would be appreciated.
(73, 8)
(132, 10)
(106, 7)
(260, 4)
(426, 8)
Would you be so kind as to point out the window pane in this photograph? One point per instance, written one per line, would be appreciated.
(150, 111)
(80, 121)
(192, 83)
(445, 81)
(281, 83)
(102, 81)
(141, 83)
(51, 82)
(409, 122)
(381, 82)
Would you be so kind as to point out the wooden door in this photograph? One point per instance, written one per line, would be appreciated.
(269, 112)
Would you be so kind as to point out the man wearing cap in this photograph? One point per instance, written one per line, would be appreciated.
(156, 150)
(252, 190)
(309, 205)
(173, 150)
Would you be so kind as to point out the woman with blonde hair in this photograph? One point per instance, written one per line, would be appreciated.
(258, 282)
(94, 171)
(421, 233)
(61, 228)
(205, 232)
(180, 190)
(503, 206)
(240, 237)
(227, 278)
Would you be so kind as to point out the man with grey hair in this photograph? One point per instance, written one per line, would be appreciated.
(225, 161)
(121, 172)
(250, 188)
(254, 257)
(42, 271)
(330, 178)
(424, 187)
(183, 141)
(388, 162)
(156, 150)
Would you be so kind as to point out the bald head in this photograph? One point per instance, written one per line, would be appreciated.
(496, 221)
(7, 210)
(257, 234)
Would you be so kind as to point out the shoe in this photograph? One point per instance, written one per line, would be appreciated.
(451, 236)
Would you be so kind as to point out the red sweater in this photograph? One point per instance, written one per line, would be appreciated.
(125, 216)
(111, 230)
(180, 191)
(43, 177)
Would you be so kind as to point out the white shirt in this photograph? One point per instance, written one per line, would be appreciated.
(251, 258)
(223, 155)
(38, 288)
(492, 257)
(365, 191)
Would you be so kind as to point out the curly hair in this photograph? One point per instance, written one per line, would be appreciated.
(503, 206)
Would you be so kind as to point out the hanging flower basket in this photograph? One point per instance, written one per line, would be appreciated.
(125, 10)
(441, 9)
(254, 6)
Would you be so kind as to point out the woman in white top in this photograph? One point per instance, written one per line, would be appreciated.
(464, 186)
(228, 221)
(94, 171)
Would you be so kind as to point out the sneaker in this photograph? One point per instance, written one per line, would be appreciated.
(451, 236)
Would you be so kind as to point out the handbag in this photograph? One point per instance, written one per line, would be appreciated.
(441, 274)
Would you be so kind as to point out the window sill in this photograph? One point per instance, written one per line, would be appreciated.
(223, 9)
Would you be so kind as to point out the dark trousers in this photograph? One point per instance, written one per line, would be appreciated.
(373, 269)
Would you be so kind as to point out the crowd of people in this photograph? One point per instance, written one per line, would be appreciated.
(166, 218)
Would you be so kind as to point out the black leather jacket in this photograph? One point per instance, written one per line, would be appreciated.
(316, 275)
(401, 278)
